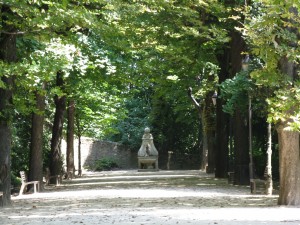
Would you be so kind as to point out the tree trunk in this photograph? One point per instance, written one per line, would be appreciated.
(79, 145)
(60, 103)
(8, 50)
(70, 138)
(289, 144)
(36, 148)
(268, 171)
(209, 129)
(222, 140)
(79, 157)
(222, 123)
(289, 165)
(211, 151)
(202, 133)
(204, 151)
(200, 144)
(241, 167)
(289, 149)
(5, 148)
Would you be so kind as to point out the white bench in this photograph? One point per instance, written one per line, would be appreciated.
(25, 183)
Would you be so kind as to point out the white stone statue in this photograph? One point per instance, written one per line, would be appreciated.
(147, 148)
(147, 154)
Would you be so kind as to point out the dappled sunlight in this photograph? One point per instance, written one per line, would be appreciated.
(152, 215)
(203, 184)
(148, 199)
(110, 182)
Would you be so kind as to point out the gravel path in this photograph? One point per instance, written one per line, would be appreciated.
(131, 197)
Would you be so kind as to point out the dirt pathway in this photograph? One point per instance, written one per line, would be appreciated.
(131, 197)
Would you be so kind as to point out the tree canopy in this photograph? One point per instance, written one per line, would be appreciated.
(129, 64)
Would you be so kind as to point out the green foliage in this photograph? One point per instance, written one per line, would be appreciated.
(129, 130)
(276, 24)
(174, 133)
(284, 106)
(167, 47)
(128, 65)
(20, 148)
(260, 147)
(48, 44)
(15, 180)
(105, 164)
(235, 92)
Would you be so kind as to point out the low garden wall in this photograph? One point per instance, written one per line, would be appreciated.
(93, 150)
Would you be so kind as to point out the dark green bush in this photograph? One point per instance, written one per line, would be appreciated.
(105, 164)
(15, 181)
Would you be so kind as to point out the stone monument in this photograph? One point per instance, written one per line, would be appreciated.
(147, 154)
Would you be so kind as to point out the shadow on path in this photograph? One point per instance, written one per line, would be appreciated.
(131, 197)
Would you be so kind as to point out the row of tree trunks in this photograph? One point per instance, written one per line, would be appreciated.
(55, 158)
(36, 150)
(8, 55)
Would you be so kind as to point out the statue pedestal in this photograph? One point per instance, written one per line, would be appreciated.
(147, 154)
(148, 163)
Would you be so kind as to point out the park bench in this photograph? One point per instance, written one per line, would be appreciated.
(48, 177)
(257, 184)
(25, 183)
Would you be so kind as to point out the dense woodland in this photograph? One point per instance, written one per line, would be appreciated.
(107, 69)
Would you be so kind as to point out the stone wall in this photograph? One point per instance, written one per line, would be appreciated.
(93, 150)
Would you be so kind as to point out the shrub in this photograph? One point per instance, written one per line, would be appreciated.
(15, 181)
(105, 164)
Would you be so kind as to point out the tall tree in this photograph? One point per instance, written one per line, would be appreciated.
(8, 56)
(222, 120)
(70, 137)
(230, 67)
(36, 148)
(65, 20)
(241, 153)
(60, 107)
(289, 143)
(278, 48)
(207, 125)
(172, 57)
(204, 139)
